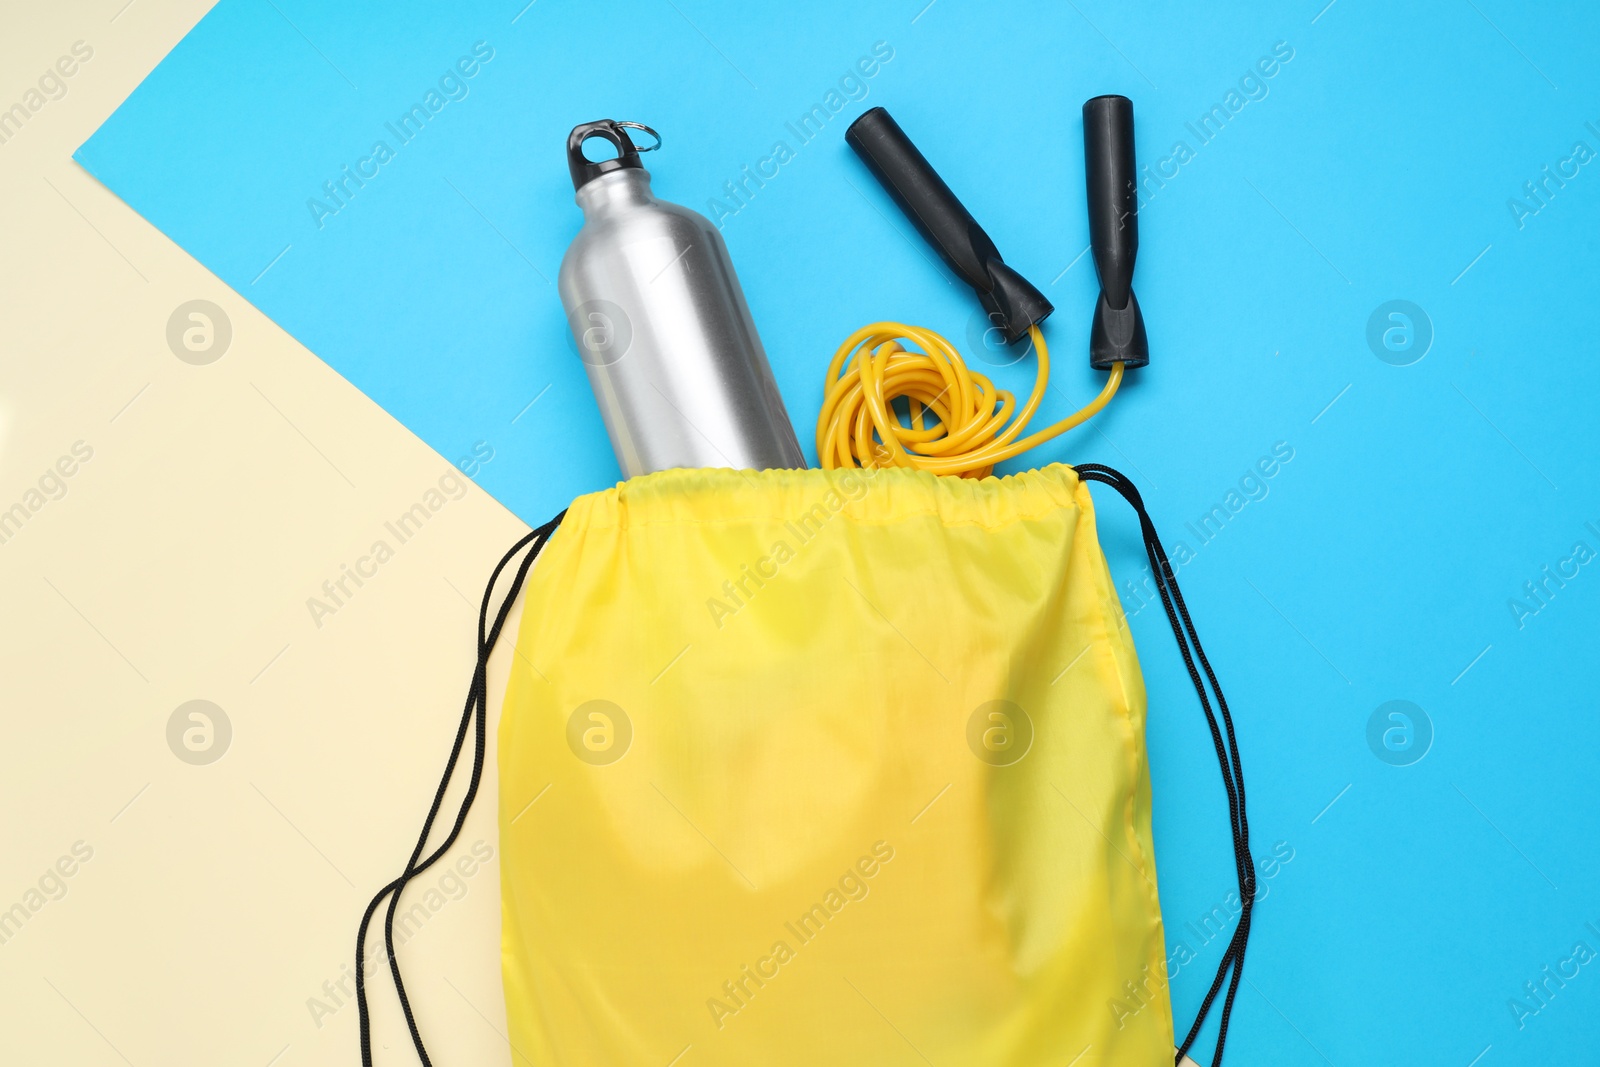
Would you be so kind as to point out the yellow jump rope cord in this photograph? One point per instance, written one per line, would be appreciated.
(859, 427)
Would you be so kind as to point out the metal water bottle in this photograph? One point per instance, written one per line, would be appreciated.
(662, 325)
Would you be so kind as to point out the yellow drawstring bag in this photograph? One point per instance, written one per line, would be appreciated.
(831, 767)
(828, 767)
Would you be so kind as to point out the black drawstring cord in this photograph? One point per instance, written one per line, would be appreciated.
(475, 714)
(1227, 753)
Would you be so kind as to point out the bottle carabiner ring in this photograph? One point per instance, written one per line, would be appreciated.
(646, 129)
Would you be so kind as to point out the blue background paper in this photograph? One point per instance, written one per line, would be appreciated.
(1380, 563)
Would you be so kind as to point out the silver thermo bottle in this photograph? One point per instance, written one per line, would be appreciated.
(662, 325)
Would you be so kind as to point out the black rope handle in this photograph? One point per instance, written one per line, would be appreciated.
(1227, 753)
(475, 715)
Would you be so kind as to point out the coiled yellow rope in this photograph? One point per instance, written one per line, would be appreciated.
(859, 427)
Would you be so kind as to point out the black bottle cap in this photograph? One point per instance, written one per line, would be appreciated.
(1012, 303)
(584, 170)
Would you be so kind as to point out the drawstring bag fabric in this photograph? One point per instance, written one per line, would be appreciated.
(843, 767)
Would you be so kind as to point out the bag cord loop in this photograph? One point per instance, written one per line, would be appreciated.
(1227, 753)
(474, 715)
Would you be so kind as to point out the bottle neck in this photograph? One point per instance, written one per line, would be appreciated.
(614, 191)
